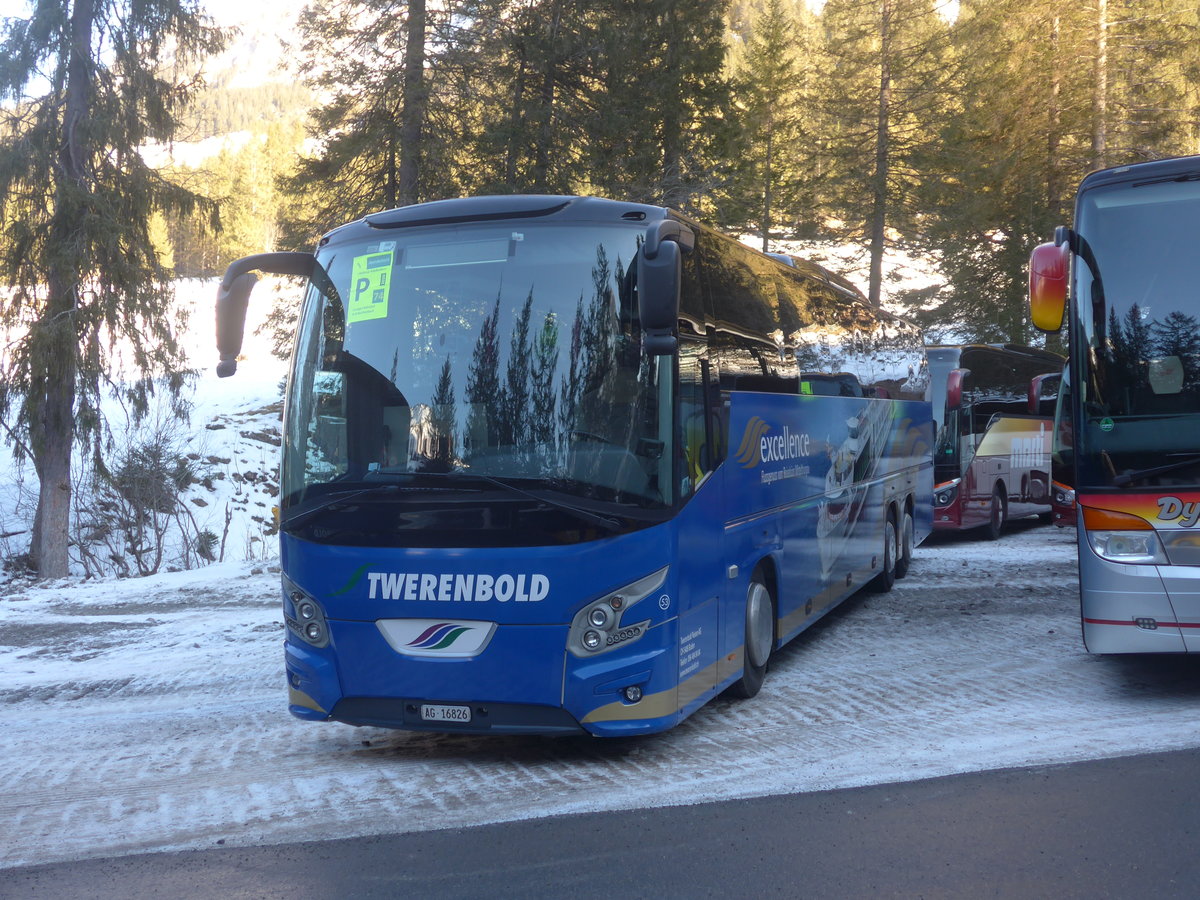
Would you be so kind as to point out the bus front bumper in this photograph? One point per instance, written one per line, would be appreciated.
(626, 692)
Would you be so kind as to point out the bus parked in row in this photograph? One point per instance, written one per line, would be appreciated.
(1125, 276)
(993, 406)
(564, 464)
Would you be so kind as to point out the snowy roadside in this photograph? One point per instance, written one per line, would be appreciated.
(231, 440)
(150, 714)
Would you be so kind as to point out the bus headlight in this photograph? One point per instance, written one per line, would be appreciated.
(945, 494)
(1121, 537)
(598, 627)
(303, 616)
(1129, 547)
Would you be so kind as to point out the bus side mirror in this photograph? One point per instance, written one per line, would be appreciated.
(233, 297)
(1048, 266)
(1043, 389)
(232, 302)
(659, 272)
(954, 388)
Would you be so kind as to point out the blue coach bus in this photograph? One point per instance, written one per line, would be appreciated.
(570, 465)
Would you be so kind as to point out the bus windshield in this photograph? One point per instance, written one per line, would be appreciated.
(477, 358)
(947, 452)
(1138, 309)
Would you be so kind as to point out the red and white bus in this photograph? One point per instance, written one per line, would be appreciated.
(993, 407)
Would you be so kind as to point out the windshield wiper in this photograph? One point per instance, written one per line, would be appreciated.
(1128, 478)
(332, 501)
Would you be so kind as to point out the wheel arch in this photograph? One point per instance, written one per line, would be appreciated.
(1002, 485)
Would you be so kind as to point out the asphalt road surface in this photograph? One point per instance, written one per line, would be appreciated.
(1125, 827)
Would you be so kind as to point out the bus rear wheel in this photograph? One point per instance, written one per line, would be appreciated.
(759, 640)
(907, 543)
(886, 579)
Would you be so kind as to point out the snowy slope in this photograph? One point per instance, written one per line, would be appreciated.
(232, 438)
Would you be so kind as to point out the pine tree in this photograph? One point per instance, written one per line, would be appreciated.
(87, 82)
(1027, 130)
(771, 85)
(366, 63)
(523, 92)
(663, 130)
(1139, 93)
(887, 66)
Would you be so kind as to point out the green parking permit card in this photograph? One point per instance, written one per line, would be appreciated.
(370, 276)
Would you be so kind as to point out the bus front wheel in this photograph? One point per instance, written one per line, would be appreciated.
(760, 638)
(996, 515)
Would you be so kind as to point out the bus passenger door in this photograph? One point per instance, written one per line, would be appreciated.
(700, 528)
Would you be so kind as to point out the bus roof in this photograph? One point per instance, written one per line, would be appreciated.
(1022, 350)
(504, 207)
(1178, 167)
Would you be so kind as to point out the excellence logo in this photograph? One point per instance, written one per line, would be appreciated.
(761, 447)
(749, 452)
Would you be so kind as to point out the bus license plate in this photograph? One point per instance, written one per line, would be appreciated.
(438, 713)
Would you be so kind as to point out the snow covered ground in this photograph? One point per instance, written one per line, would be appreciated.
(150, 714)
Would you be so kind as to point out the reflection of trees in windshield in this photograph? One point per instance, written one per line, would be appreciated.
(443, 417)
(483, 386)
(597, 362)
(1177, 336)
(545, 361)
(515, 404)
(1149, 366)
(514, 398)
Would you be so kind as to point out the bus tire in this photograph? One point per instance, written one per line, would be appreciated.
(759, 639)
(886, 579)
(996, 515)
(905, 551)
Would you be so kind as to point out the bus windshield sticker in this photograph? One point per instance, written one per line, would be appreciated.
(370, 275)
(1166, 375)
(460, 253)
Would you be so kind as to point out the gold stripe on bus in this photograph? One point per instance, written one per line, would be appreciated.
(820, 603)
(299, 698)
(664, 703)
